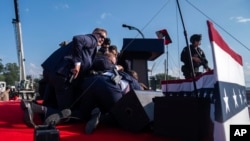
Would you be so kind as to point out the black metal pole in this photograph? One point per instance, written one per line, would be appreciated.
(16, 11)
(133, 28)
(140, 32)
(137, 30)
(190, 56)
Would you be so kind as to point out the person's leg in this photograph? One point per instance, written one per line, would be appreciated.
(42, 87)
(49, 98)
(63, 92)
(93, 121)
(88, 104)
(29, 109)
(52, 116)
(186, 72)
(105, 93)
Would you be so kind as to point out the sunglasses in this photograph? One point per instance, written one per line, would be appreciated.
(101, 36)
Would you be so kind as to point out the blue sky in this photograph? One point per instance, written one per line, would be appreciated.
(46, 23)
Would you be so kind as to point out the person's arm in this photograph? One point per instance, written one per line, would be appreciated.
(204, 61)
(79, 43)
(185, 56)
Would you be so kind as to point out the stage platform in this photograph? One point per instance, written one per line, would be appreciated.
(12, 128)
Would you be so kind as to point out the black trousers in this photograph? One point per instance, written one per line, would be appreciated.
(98, 91)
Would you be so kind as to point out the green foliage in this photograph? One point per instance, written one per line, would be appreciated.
(36, 84)
(1, 66)
(10, 73)
(156, 80)
(161, 76)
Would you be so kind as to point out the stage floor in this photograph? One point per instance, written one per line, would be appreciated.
(12, 128)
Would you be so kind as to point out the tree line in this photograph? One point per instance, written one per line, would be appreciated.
(10, 74)
(155, 81)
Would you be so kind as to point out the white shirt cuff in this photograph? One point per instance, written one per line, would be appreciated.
(78, 63)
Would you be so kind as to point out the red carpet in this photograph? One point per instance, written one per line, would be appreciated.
(12, 128)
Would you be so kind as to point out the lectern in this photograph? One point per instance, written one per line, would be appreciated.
(139, 51)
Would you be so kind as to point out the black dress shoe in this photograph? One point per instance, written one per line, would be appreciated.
(93, 122)
(28, 113)
(55, 117)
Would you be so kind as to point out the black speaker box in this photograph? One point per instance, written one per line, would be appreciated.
(46, 133)
(135, 110)
(182, 117)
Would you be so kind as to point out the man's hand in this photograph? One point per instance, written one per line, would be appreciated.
(207, 69)
(196, 59)
(119, 68)
(76, 71)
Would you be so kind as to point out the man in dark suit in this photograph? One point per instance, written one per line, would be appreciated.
(103, 89)
(63, 69)
(74, 64)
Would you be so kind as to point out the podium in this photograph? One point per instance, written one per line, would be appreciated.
(139, 51)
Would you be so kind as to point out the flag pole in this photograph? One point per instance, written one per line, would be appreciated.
(166, 64)
(190, 56)
(164, 34)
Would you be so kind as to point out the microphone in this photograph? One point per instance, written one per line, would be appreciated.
(134, 28)
(128, 26)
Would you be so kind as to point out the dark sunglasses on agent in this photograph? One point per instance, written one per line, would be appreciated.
(101, 36)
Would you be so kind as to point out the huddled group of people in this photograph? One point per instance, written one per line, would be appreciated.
(81, 82)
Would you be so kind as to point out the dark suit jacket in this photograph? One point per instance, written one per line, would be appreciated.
(81, 49)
